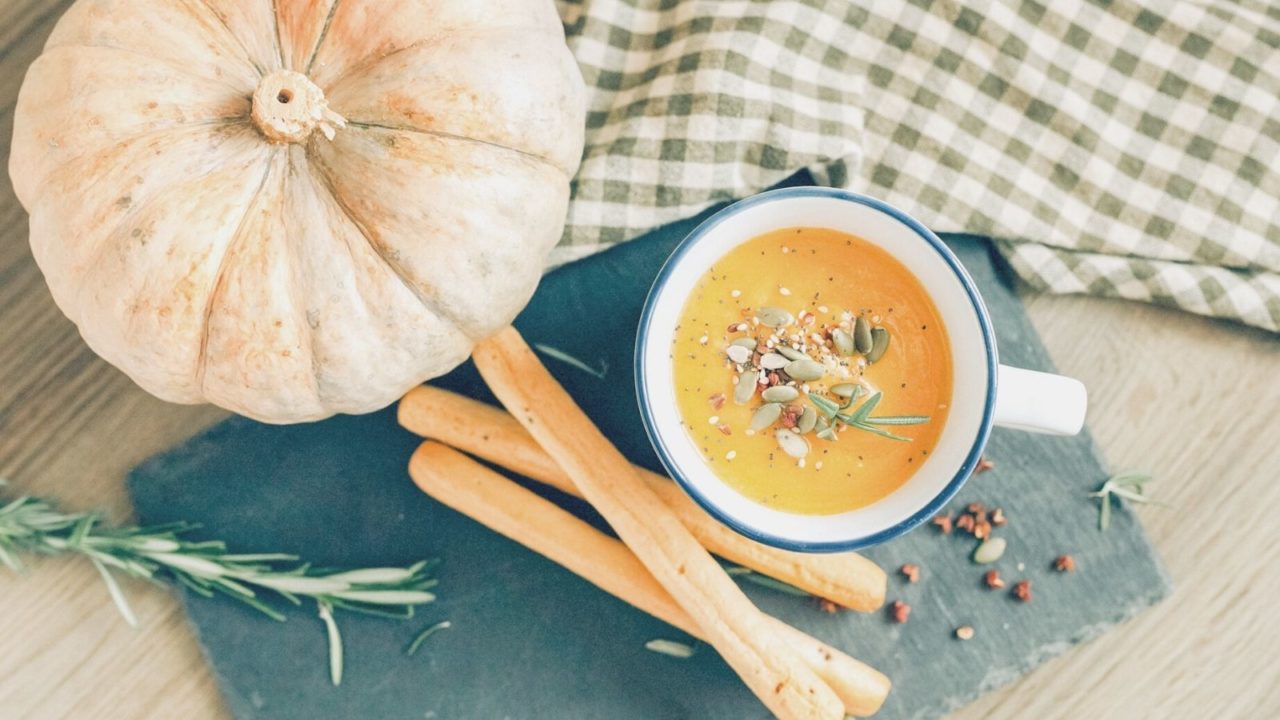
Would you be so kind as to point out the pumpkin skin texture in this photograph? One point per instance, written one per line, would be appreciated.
(296, 208)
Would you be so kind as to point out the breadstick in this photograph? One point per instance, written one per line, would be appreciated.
(540, 525)
(491, 434)
(729, 622)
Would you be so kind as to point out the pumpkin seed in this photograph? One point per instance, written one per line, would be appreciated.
(842, 341)
(845, 390)
(879, 343)
(745, 389)
(775, 317)
(780, 394)
(772, 361)
(790, 353)
(767, 415)
(862, 335)
(748, 343)
(792, 444)
(989, 551)
(808, 420)
(738, 354)
(805, 370)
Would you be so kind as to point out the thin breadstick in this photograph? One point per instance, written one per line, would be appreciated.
(540, 525)
(729, 622)
(490, 433)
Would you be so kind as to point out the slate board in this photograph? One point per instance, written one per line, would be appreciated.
(530, 640)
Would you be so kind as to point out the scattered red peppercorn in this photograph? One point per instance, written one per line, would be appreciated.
(1022, 591)
(943, 522)
(993, 579)
(1064, 563)
(899, 611)
(982, 529)
(983, 465)
(997, 517)
(827, 606)
(910, 571)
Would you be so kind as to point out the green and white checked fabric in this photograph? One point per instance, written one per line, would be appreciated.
(1115, 148)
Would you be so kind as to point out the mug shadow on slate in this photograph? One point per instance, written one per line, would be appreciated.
(531, 640)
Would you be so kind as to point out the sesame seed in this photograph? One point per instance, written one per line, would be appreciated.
(823, 309)
(702, 340)
(713, 419)
(731, 455)
(784, 291)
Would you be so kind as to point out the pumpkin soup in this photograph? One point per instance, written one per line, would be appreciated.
(812, 370)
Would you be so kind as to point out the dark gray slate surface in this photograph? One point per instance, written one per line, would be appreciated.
(530, 640)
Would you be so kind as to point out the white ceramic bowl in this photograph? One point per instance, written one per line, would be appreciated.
(1028, 400)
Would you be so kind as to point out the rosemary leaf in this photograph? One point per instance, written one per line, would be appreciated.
(335, 643)
(670, 647)
(422, 636)
(824, 405)
(117, 595)
(898, 420)
(773, 584)
(572, 361)
(877, 431)
(864, 411)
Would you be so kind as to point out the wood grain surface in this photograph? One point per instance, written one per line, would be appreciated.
(1192, 400)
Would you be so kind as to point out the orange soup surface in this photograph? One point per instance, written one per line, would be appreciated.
(812, 371)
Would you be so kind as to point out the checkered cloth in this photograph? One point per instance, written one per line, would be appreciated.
(1112, 149)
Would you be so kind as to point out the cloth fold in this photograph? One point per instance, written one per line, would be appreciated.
(1113, 148)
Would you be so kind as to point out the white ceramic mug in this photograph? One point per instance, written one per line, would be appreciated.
(985, 393)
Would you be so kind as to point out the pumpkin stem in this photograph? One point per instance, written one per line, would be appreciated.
(288, 107)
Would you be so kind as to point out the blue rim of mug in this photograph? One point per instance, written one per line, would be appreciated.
(930, 509)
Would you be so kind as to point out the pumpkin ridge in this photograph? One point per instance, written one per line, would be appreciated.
(324, 33)
(202, 358)
(275, 18)
(172, 65)
(244, 50)
(427, 302)
(462, 138)
(176, 127)
(95, 255)
(368, 62)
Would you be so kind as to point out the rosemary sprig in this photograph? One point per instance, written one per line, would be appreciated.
(34, 526)
(861, 417)
(1130, 486)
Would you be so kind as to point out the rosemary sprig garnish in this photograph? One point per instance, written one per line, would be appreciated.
(1130, 486)
(861, 417)
(32, 525)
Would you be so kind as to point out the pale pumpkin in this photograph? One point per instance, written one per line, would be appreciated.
(294, 208)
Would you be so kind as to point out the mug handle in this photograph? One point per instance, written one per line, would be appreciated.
(1039, 402)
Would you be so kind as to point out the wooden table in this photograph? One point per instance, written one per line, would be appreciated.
(1194, 401)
